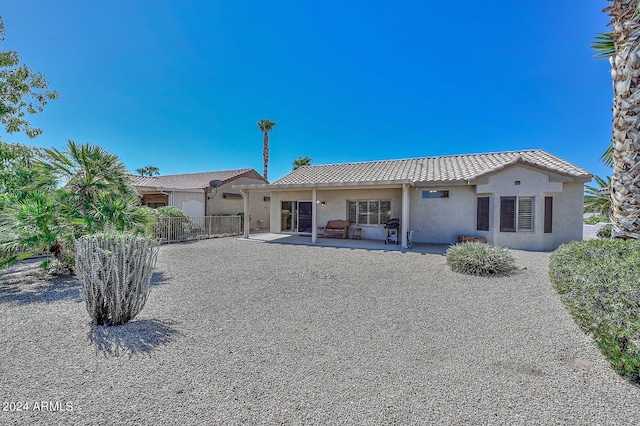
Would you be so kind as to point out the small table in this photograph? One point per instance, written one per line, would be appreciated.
(320, 231)
(356, 233)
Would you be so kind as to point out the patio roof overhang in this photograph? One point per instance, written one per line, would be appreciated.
(343, 185)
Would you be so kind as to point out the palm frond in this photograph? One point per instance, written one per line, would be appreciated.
(603, 46)
(607, 157)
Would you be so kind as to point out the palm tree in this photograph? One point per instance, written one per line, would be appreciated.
(265, 127)
(85, 172)
(625, 183)
(597, 199)
(148, 171)
(301, 161)
(605, 48)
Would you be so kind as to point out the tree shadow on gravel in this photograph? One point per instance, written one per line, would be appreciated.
(26, 284)
(158, 278)
(133, 338)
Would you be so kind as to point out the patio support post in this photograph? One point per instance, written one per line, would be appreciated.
(405, 213)
(314, 217)
(245, 195)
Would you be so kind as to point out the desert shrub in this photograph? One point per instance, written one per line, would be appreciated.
(598, 218)
(115, 269)
(605, 231)
(598, 282)
(475, 258)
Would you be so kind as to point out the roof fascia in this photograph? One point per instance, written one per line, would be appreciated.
(180, 189)
(555, 176)
(440, 183)
(284, 187)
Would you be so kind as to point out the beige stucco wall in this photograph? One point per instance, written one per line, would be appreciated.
(276, 203)
(258, 207)
(335, 206)
(567, 208)
(442, 220)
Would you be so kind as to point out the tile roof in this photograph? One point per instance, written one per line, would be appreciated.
(194, 180)
(429, 169)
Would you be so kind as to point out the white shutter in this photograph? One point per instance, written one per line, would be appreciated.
(525, 214)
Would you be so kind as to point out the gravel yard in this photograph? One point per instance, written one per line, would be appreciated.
(247, 332)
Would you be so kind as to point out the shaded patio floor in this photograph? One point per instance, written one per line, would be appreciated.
(362, 244)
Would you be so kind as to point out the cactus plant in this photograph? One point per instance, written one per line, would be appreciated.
(115, 269)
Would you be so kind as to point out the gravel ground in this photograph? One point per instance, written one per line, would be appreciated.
(589, 232)
(242, 332)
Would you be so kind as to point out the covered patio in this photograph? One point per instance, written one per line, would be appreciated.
(361, 244)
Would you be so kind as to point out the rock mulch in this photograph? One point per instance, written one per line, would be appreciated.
(241, 332)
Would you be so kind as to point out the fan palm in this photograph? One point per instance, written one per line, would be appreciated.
(265, 127)
(31, 225)
(301, 161)
(605, 48)
(148, 171)
(625, 71)
(595, 199)
(86, 171)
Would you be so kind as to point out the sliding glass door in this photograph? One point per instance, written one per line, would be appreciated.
(296, 216)
(305, 211)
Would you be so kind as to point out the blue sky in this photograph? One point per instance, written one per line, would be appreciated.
(181, 84)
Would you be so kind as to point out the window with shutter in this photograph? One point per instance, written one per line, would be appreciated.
(507, 214)
(482, 213)
(517, 214)
(548, 215)
(525, 213)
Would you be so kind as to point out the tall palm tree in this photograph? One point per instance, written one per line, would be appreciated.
(265, 127)
(604, 48)
(625, 71)
(148, 171)
(301, 161)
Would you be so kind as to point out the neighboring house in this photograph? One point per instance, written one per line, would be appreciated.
(528, 200)
(192, 193)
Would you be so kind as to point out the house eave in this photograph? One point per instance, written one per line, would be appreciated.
(180, 189)
(290, 186)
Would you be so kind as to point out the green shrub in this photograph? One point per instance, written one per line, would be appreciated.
(475, 258)
(173, 223)
(605, 231)
(598, 281)
(598, 218)
(115, 269)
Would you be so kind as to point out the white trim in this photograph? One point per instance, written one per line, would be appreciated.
(406, 214)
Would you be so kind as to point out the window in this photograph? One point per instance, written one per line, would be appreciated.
(482, 219)
(368, 212)
(232, 195)
(435, 194)
(516, 214)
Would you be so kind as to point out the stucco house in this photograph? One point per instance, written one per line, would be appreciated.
(193, 193)
(528, 199)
